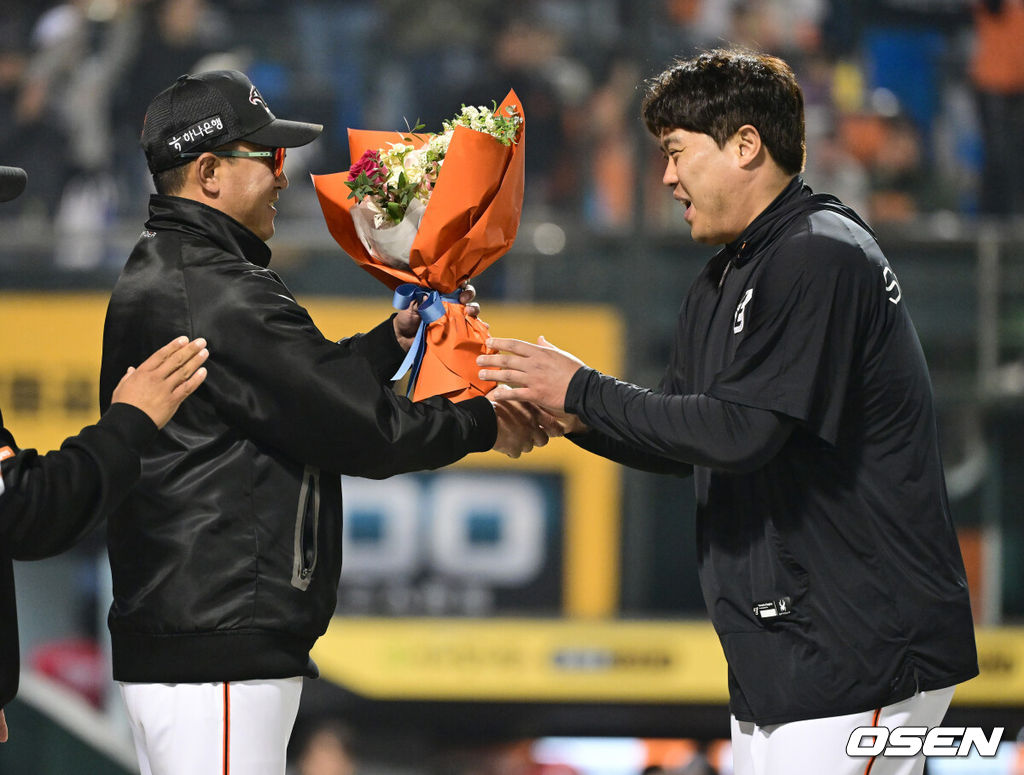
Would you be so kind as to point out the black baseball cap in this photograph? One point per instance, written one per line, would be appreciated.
(205, 111)
(12, 183)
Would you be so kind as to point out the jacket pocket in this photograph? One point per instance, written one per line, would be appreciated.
(307, 528)
(778, 582)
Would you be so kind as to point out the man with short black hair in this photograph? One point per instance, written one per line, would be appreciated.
(226, 557)
(798, 397)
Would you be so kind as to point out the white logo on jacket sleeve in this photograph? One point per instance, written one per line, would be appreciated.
(892, 285)
(741, 311)
(5, 452)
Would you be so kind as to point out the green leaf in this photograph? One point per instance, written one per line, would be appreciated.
(412, 131)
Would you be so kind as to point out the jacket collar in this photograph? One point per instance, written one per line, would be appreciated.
(795, 200)
(188, 216)
(760, 229)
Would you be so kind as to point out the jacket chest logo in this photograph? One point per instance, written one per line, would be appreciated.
(739, 318)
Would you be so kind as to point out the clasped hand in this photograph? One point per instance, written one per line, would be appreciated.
(530, 414)
(407, 321)
(522, 426)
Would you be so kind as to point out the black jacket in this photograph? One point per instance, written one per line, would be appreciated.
(48, 502)
(799, 397)
(226, 556)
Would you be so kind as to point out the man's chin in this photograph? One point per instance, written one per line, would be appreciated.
(706, 239)
(697, 236)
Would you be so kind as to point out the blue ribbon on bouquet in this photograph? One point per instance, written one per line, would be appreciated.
(431, 309)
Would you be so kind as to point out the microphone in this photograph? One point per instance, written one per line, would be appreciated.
(12, 182)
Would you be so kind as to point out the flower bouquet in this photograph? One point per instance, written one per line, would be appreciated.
(424, 213)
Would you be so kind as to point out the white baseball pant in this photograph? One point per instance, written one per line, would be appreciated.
(819, 745)
(236, 728)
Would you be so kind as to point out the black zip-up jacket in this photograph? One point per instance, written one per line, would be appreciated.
(48, 502)
(798, 396)
(226, 555)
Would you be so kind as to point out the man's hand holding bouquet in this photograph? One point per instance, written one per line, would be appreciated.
(424, 213)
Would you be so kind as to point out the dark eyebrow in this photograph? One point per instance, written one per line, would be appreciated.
(670, 139)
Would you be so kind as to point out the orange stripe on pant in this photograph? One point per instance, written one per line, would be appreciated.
(874, 723)
(227, 728)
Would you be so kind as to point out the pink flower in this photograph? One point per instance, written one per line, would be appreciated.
(371, 164)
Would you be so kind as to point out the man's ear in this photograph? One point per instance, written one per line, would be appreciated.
(748, 144)
(206, 173)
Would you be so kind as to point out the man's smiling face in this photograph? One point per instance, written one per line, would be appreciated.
(250, 190)
(702, 177)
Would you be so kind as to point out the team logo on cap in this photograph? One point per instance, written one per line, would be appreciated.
(257, 99)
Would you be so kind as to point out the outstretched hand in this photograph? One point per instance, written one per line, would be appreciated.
(536, 373)
(164, 379)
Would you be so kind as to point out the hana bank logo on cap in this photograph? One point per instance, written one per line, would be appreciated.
(204, 111)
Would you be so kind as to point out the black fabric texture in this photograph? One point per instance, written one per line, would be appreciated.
(841, 510)
(206, 543)
(50, 501)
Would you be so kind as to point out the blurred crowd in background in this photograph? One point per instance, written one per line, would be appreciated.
(912, 105)
(913, 110)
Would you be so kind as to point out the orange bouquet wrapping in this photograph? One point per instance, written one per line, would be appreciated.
(470, 219)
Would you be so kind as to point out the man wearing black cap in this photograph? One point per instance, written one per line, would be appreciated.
(47, 502)
(226, 557)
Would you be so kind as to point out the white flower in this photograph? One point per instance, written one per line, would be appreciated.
(413, 166)
(439, 143)
(421, 166)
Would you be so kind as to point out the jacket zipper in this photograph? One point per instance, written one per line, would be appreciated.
(307, 524)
